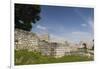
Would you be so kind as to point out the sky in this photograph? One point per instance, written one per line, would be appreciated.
(66, 23)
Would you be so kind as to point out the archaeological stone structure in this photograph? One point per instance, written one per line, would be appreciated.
(32, 42)
(26, 40)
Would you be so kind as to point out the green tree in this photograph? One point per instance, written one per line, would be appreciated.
(25, 15)
(85, 47)
(93, 45)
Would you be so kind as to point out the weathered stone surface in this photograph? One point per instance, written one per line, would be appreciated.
(26, 40)
(32, 42)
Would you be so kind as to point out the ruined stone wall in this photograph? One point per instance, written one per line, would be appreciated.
(31, 42)
(25, 40)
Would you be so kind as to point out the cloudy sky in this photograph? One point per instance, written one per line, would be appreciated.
(66, 23)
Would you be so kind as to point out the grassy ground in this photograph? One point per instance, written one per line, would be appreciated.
(23, 57)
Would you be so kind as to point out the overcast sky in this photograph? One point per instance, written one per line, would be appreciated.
(66, 23)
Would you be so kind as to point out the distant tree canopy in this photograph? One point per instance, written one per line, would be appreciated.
(25, 15)
(85, 47)
(93, 45)
(93, 48)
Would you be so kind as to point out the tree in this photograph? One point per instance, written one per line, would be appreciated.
(85, 47)
(93, 45)
(25, 15)
(93, 48)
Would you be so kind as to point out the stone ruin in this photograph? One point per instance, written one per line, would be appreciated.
(30, 41)
(26, 40)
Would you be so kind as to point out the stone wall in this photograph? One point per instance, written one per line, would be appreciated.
(32, 42)
(26, 40)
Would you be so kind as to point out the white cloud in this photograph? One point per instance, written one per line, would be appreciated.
(79, 33)
(84, 25)
(91, 24)
(41, 27)
(55, 38)
(74, 36)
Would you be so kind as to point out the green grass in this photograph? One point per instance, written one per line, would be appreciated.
(24, 57)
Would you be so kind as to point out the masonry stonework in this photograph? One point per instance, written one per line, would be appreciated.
(30, 41)
(26, 40)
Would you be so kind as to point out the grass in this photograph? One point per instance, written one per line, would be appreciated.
(24, 57)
